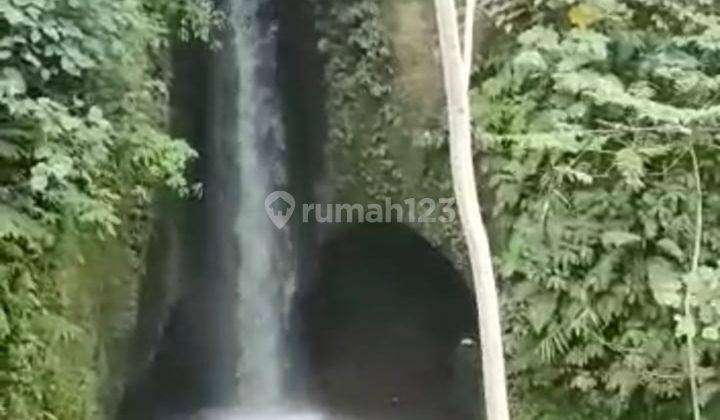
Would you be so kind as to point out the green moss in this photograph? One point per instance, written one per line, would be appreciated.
(100, 294)
(387, 137)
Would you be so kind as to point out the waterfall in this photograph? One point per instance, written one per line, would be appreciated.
(264, 252)
(265, 255)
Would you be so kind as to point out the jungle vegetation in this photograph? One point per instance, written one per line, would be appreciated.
(84, 147)
(601, 118)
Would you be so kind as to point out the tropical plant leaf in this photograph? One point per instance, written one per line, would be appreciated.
(618, 238)
(665, 282)
(541, 309)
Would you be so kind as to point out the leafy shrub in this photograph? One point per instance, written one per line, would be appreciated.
(602, 126)
(82, 146)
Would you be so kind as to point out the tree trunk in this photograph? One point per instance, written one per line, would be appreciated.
(463, 174)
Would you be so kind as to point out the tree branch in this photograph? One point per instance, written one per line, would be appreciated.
(463, 174)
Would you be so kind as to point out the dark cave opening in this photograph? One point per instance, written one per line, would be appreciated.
(382, 325)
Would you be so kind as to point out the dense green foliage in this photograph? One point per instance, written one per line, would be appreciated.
(602, 122)
(83, 96)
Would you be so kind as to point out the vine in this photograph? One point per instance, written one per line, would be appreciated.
(692, 364)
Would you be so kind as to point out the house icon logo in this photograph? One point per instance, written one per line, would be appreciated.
(280, 206)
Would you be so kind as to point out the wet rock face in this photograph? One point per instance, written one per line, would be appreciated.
(411, 28)
(382, 325)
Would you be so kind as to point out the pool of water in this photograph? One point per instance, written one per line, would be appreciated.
(268, 414)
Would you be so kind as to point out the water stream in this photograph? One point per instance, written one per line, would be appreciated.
(262, 250)
(266, 274)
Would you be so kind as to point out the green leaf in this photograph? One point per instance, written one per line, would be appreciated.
(12, 82)
(15, 225)
(665, 282)
(96, 115)
(39, 178)
(711, 333)
(631, 166)
(617, 238)
(529, 62)
(623, 380)
(685, 326)
(669, 247)
(575, 175)
(540, 37)
(707, 391)
(9, 150)
(13, 15)
(4, 325)
(541, 309)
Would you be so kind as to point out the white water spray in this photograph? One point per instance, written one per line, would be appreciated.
(262, 249)
(266, 271)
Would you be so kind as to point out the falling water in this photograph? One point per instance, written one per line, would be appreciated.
(265, 269)
(262, 249)
(266, 272)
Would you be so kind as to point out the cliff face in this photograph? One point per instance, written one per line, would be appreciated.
(363, 110)
(410, 26)
(385, 111)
